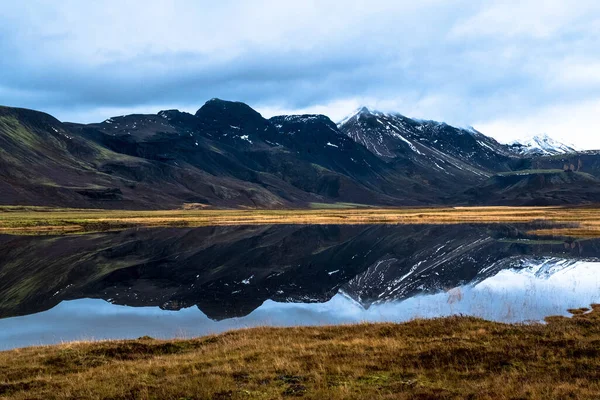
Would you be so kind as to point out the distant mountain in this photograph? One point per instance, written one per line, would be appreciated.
(228, 155)
(540, 145)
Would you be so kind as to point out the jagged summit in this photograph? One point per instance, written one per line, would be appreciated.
(367, 111)
(173, 114)
(361, 112)
(541, 145)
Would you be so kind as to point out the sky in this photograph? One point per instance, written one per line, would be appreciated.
(511, 69)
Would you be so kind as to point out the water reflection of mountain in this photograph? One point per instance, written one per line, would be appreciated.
(230, 271)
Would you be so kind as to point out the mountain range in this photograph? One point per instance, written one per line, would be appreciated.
(228, 155)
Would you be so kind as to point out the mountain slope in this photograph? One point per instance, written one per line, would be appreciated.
(393, 135)
(49, 163)
(43, 161)
(450, 156)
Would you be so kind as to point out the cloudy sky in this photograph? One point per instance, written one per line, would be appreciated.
(508, 68)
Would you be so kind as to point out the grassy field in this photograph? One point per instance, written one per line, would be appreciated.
(38, 220)
(450, 358)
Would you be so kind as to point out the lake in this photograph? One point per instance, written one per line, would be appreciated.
(184, 282)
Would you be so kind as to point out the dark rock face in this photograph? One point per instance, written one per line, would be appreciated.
(228, 155)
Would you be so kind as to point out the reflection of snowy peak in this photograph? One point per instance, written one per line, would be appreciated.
(544, 267)
(389, 280)
(541, 145)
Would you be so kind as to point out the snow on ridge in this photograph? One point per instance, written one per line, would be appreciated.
(399, 136)
(361, 111)
(354, 114)
(302, 117)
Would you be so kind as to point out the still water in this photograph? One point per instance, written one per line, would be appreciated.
(187, 282)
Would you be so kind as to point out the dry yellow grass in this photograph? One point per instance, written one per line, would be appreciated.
(34, 220)
(450, 358)
(586, 229)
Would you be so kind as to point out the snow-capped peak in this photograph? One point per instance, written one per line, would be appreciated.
(362, 111)
(541, 145)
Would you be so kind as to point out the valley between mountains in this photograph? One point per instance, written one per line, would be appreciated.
(227, 155)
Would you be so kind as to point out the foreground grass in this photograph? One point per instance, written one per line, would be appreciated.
(450, 358)
(36, 220)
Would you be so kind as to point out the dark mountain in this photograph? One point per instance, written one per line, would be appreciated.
(433, 144)
(317, 140)
(230, 271)
(281, 168)
(228, 155)
(44, 162)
